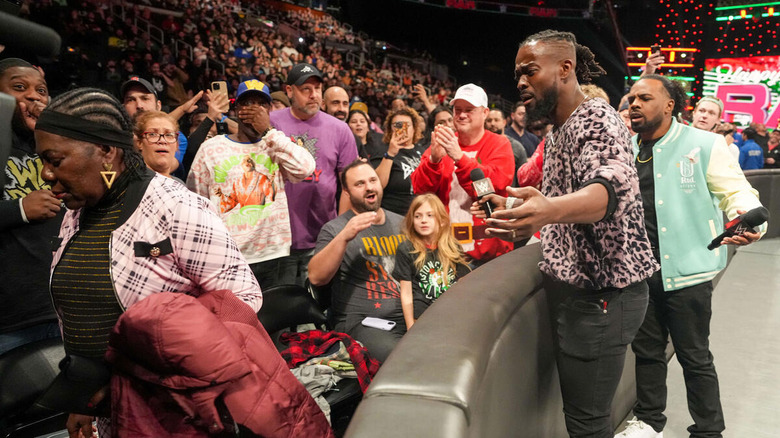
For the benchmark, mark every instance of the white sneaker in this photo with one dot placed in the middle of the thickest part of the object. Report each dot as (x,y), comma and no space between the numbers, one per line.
(639,429)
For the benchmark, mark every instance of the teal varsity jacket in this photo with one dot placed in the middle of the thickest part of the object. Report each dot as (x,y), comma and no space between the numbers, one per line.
(695,178)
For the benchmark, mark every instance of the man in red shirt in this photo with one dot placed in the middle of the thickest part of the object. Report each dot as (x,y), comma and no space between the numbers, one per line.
(446,168)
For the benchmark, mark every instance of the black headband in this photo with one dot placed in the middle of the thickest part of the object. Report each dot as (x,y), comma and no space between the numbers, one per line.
(78,128)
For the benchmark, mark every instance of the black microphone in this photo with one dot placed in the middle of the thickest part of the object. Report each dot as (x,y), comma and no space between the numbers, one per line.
(741,224)
(483,186)
(23,36)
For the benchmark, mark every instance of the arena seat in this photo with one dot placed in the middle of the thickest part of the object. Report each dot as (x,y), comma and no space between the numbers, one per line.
(25,373)
(287,306)
(478,363)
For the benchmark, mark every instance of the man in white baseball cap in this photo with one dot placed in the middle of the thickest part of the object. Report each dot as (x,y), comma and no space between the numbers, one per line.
(446,169)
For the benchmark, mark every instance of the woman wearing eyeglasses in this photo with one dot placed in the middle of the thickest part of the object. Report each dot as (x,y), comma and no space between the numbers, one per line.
(156,136)
(400,154)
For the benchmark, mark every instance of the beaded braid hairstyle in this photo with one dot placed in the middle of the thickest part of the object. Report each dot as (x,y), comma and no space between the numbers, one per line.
(98,106)
(586,68)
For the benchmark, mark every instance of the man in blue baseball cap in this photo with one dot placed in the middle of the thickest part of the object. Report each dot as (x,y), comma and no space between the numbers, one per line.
(244,176)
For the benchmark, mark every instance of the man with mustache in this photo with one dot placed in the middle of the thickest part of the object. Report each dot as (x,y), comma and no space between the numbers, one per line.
(30,215)
(596,252)
(335,101)
(356,251)
(684,172)
(315,200)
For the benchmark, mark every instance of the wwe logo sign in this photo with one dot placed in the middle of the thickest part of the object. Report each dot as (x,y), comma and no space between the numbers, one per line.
(743,228)
(483,187)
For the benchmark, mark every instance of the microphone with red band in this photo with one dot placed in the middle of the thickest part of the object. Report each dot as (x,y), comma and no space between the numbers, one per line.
(742,224)
(483,187)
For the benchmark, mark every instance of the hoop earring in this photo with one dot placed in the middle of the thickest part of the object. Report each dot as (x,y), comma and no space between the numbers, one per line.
(108,175)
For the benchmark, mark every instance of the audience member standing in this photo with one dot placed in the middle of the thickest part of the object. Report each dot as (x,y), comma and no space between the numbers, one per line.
(244,175)
(312,202)
(762,137)
(446,166)
(396,157)
(496,122)
(30,215)
(707,113)
(772,157)
(517,130)
(335,101)
(750,154)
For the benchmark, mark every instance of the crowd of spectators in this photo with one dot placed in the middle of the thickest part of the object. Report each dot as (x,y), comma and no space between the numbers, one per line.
(222,40)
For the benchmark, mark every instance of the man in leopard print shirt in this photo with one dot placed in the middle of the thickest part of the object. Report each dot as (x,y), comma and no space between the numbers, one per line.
(596,252)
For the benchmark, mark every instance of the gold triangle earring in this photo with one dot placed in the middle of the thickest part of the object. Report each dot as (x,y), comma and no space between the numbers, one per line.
(108,175)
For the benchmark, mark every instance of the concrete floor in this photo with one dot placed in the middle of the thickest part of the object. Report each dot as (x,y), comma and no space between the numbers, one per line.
(745,341)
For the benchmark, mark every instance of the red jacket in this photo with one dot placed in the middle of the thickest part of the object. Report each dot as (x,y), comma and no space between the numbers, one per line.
(530,173)
(494,157)
(175,356)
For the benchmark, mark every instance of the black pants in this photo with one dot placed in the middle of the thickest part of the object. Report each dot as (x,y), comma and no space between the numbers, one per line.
(594,328)
(685,315)
(292,269)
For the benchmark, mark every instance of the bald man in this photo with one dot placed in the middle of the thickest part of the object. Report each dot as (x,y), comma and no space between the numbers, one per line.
(335,102)
(596,252)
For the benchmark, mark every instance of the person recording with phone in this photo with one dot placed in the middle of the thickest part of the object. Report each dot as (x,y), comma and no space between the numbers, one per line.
(654,60)
(396,158)
(688,179)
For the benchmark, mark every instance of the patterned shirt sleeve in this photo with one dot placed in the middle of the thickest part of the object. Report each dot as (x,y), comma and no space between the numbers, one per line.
(606,154)
(208,254)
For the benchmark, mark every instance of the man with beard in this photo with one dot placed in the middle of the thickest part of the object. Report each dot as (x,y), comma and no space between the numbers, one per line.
(356,251)
(30,215)
(517,130)
(684,173)
(312,202)
(244,174)
(495,123)
(446,166)
(335,101)
(596,252)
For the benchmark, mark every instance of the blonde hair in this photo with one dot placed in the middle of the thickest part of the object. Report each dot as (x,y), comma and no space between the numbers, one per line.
(592,91)
(147,116)
(450,253)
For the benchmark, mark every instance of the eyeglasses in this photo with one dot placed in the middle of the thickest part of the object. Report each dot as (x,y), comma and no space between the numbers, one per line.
(153,137)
